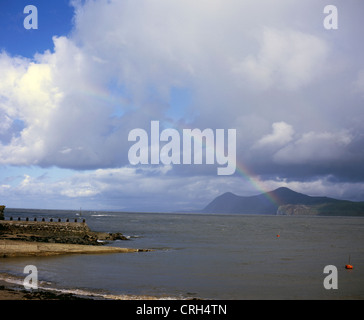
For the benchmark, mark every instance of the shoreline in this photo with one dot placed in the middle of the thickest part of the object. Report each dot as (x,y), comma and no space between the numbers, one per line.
(9,291)
(15,292)
(15,248)
(13,289)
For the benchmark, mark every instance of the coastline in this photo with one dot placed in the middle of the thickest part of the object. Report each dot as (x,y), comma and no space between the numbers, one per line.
(54,238)
(13,290)
(14,248)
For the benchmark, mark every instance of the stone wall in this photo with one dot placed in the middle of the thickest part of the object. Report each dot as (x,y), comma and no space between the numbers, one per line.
(55,231)
(38,227)
(44,231)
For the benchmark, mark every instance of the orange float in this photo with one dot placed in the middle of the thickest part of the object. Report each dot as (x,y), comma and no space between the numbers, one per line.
(348,266)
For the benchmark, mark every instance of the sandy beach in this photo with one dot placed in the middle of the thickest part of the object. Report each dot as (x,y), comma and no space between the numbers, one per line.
(13,248)
(9,248)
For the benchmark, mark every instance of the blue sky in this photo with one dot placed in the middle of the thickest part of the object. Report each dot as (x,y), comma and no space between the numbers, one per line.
(72,90)
(54,19)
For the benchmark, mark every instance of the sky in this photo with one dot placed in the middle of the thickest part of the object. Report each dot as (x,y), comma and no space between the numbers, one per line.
(280,73)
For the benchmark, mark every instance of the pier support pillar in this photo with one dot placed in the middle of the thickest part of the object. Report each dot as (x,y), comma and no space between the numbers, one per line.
(2,208)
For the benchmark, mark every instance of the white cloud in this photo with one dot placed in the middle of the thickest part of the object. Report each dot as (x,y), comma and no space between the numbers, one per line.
(323,186)
(127,57)
(118,189)
(359,82)
(287,59)
(315,147)
(122,188)
(281,135)
(245,66)
(5,123)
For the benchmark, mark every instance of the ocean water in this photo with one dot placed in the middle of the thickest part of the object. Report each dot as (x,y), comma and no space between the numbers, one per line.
(204,256)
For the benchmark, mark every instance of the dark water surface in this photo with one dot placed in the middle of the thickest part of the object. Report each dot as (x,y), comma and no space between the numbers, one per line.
(211,257)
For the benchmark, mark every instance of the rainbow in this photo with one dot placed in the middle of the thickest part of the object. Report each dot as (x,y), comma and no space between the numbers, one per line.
(106,96)
(241,168)
(255,182)
(102,94)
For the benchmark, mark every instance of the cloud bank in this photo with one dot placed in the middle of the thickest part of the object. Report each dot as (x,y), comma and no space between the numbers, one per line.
(292,89)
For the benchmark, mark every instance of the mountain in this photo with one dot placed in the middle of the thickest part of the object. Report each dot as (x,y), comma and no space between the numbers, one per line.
(283,201)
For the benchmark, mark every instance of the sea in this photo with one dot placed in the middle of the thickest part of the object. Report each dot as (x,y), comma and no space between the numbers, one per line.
(207,256)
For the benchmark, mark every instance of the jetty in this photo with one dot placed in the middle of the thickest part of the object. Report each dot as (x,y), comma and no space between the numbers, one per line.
(54,231)
(52,236)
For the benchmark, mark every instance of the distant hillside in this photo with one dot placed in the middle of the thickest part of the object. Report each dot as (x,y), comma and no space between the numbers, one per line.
(341,208)
(283,201)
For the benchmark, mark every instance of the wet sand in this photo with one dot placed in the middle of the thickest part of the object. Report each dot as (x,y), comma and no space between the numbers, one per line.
(13,292)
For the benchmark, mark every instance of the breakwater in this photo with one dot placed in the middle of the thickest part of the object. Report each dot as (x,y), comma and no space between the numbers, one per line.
(71,231)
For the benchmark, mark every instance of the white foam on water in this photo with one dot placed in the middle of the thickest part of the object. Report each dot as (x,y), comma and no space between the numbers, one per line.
(44,285)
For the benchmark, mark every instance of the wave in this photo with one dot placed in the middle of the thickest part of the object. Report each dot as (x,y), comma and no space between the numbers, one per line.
(17,282)
(103,215)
